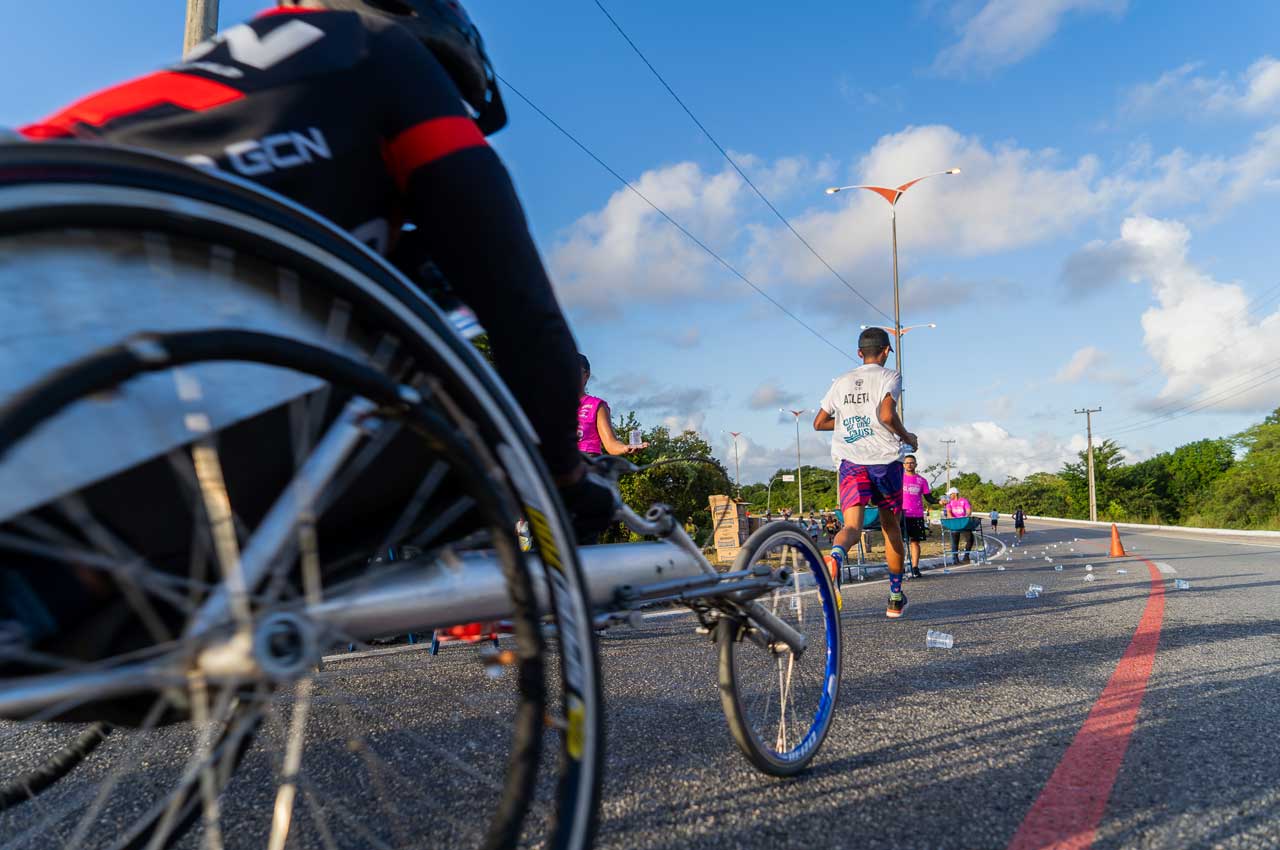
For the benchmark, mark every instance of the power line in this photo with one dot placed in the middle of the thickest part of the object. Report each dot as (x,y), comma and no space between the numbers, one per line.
(660,211)
(730,160)
(1172,408)
(1205,402)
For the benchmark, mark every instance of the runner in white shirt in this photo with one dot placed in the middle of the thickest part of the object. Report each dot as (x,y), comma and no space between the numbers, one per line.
(867,436)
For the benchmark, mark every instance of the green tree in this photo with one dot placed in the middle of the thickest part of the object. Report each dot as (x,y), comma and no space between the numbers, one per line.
(684,475)
(1194,467)
(1107,457)
(1247,495)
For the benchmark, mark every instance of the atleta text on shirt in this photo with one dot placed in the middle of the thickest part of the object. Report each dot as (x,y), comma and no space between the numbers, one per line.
(854,403)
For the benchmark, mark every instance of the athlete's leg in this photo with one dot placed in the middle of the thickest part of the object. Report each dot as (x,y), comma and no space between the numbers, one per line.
(853,489)
(848,535)
(891,525)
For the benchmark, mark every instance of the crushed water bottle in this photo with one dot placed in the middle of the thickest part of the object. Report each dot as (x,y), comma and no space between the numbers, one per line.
(999,568)
(1122,572)
(1088,568)
(1181,584)
(1035,587)
(1089,577)
(1057,568)
(938,640)
(1031,594)
(635,437)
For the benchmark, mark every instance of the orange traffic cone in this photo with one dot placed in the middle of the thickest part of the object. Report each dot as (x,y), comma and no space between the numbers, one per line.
(1117,548)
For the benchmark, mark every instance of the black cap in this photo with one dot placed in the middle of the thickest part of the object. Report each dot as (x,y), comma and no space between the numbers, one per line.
(873,340)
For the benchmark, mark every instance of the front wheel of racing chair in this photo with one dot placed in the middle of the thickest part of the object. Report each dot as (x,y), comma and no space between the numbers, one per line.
(214,408)
(779,703)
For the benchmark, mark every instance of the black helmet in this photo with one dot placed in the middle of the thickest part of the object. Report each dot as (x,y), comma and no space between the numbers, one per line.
(443,26)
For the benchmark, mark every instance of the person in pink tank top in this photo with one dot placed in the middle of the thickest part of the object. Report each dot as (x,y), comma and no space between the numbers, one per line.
(595,430)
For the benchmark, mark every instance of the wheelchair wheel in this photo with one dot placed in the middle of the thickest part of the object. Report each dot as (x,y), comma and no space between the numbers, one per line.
(780,705)
(204,344)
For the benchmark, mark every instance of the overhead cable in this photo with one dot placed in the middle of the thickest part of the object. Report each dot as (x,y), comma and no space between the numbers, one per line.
(736,168)
(660,211)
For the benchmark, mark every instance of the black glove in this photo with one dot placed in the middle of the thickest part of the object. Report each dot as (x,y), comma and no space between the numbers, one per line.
(591,504)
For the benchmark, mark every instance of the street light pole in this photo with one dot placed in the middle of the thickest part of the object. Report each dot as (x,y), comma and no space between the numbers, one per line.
(202,22)
(768,491)
(799,468)
(737,477)
(892,195)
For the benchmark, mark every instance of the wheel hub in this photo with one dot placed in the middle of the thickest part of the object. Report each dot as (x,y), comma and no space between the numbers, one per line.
(285,646)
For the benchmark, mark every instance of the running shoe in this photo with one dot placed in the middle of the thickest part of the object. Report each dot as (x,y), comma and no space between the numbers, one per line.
(897,604)
(915,573)
(833,568)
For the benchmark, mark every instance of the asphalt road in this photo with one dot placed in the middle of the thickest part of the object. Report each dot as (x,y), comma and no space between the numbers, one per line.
(978,746)
(951,748)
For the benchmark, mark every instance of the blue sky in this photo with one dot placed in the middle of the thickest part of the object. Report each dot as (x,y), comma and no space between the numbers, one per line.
(1108,242)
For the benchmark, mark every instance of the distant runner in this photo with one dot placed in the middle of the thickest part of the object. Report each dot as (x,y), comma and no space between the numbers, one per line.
(1019,523)
(995,519)
(860,409)
(914,490)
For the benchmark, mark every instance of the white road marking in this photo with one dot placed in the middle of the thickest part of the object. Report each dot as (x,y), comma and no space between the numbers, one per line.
(1165,568)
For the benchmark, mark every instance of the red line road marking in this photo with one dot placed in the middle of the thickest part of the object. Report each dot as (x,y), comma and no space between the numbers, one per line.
(1066,814)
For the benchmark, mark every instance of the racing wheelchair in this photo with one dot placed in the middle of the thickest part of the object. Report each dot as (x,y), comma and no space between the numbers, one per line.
(214,406)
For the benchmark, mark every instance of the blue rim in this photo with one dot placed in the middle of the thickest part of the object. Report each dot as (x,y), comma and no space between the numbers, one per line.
(827,702)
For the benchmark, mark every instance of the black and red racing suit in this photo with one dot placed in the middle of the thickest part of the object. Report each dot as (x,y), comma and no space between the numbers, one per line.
(351,116)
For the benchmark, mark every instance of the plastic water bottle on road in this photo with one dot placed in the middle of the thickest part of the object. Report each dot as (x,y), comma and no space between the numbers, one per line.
(1181,584)
(1057,568)
(938,640)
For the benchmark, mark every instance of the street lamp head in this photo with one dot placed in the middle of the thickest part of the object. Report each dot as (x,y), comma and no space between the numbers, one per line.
(832,190)
(953,171)
(932,325)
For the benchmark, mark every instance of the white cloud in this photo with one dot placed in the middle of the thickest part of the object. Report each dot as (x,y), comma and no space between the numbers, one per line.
(1081,363)
(786,174)
(1210,184)
(628,251)
(994,453)
(1004,32)
(769,395)
(1006,197)
(758,461)
(679,408)
(1182,90)
(1202,334)
(690,337)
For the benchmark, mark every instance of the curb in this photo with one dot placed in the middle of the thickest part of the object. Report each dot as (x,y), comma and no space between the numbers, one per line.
(1140,526)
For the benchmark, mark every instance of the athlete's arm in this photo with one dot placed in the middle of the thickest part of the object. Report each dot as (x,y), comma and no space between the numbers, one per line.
(824,422)
(888,415)
(609,437)
(471,223)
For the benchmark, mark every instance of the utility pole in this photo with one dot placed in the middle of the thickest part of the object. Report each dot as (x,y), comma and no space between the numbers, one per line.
(799,468)
(202,22)
(1093,491)
(948,443)
(737,478)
